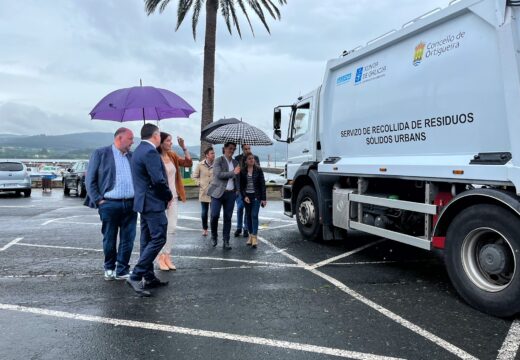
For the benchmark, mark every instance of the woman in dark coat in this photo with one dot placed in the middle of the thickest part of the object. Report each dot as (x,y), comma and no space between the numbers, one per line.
(252,188)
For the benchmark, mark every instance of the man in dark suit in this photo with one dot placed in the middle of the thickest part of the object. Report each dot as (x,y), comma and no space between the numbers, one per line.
(152,196)
(241,223)
(223,190)
(110,190)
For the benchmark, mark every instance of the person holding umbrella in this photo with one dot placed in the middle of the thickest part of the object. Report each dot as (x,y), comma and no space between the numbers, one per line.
(223,191)
(252,188)
(171,162)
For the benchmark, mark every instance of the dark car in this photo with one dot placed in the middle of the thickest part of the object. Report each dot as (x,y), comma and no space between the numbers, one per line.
(74,179)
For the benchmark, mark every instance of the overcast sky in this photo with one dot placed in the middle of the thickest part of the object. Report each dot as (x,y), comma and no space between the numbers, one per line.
(59,58)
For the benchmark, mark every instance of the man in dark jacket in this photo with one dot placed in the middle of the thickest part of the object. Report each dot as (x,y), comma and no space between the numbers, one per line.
(152,197)
(110,190)
(246,150)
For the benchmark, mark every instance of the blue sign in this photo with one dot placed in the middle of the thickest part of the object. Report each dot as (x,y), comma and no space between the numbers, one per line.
(359,74)
(343,79)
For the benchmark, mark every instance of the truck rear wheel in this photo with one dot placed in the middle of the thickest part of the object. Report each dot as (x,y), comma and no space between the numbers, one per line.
(308,213)
(482,258)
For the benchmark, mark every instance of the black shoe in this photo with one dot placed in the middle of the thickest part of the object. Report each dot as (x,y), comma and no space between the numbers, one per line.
(246,233)
(138,287)
(214,241)
(226,245)
(154,283)
(238,232)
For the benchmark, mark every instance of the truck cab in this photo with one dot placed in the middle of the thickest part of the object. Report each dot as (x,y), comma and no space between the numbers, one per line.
(301,137)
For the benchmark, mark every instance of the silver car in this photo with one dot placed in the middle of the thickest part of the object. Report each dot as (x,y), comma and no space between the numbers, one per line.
(14,177)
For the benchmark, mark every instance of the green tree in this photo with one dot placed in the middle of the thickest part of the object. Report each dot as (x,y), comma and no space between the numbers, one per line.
(228,9)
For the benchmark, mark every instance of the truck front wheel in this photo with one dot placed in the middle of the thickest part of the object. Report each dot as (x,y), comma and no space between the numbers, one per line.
(482,258)
(308,213)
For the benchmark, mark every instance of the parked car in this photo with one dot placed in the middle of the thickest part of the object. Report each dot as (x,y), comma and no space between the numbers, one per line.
(14,177)
(49,171)
(275,179)
(74,179)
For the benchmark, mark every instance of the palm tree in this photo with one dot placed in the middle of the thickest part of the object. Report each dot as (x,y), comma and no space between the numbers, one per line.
(229,12)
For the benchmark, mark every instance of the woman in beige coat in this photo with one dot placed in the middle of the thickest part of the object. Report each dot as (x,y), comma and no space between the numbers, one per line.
(203,175)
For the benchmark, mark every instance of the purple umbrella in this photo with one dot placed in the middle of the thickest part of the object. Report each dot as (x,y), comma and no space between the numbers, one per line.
(141,103)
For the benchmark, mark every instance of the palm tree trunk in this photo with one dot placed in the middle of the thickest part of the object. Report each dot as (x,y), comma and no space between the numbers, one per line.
(208,81)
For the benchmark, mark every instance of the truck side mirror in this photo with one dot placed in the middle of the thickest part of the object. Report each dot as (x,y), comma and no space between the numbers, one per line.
(277,119)
(277,134)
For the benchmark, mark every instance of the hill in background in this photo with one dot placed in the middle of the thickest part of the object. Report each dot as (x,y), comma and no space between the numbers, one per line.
(81,145)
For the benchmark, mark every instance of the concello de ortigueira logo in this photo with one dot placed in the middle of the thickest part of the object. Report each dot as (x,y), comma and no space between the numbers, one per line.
(418,55)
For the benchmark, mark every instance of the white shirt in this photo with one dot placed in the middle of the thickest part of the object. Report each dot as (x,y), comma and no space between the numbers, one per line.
(230,183)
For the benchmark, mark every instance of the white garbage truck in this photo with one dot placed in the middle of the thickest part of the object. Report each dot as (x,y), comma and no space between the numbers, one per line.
(415,138)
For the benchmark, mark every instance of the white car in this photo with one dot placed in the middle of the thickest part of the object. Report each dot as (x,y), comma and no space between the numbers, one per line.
(14,177)
(275,179)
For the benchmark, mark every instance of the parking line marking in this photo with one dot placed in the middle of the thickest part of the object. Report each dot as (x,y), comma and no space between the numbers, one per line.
(63,218)
(254,262)
(10,243)
(389,314)
(59,247)
(511,344)
(276,227)
(197,332)
(16,206)
(341,256)
(239,261)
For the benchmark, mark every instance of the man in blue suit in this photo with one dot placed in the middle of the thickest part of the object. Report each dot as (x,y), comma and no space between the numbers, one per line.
(152,197)
(110,189)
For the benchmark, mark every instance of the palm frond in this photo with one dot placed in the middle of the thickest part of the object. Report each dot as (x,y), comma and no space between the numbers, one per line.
(235,20)
(224,9)
(182,11)
(244,11)
(151,5)
(275,9)
(163,5)
(267,6)
(228,11)
(259,12)
(195,18)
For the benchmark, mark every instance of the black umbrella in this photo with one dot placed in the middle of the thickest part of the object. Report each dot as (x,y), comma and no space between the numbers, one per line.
(215,125)
(241,133)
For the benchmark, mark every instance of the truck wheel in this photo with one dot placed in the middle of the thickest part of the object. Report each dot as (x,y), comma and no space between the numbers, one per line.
(66,190)
(308,213)
(482,258)
(27,193)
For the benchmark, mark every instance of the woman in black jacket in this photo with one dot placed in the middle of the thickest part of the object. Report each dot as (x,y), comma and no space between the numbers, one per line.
(252,188)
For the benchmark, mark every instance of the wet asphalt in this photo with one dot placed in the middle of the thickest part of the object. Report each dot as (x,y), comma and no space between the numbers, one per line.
(384,300)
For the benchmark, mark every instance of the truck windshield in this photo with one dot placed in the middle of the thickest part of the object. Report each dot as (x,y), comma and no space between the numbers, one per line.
(300,121)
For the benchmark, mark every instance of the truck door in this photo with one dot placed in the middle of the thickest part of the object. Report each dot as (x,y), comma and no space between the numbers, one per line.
(300,144)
